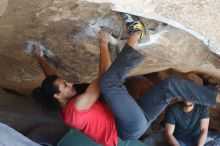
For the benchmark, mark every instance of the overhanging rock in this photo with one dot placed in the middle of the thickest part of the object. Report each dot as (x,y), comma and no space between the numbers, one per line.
(200,18)
(67,28)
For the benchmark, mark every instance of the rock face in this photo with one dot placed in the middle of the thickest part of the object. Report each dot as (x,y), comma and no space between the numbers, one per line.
(67,29)
(4,4)
(183,39)
(22,114)
(198,17)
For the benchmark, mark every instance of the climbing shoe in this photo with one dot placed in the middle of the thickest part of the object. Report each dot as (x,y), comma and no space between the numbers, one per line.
(134,24)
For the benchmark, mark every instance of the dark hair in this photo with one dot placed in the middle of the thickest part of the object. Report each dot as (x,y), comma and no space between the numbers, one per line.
(44,95)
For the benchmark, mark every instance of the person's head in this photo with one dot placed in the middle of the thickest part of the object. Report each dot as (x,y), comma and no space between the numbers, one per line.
(53,91)
(188,103)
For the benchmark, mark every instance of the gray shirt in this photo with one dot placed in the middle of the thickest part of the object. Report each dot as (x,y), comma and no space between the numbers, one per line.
(187,125)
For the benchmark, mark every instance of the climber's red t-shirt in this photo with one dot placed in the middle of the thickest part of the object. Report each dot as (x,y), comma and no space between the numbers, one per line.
(97,122)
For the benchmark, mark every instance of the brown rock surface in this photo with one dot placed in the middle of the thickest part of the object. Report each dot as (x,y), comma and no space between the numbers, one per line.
(22,114)
(198,17)
(3,6)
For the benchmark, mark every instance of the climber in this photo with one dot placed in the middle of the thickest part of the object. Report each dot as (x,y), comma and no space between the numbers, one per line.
(121,115)
(57,94)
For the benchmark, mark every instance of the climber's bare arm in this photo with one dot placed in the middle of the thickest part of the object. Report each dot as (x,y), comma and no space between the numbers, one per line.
(47,69)
(86,100)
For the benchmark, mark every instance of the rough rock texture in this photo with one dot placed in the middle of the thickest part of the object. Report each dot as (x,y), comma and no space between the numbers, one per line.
(3,4)
(22,114)
(198,17)
(67,28)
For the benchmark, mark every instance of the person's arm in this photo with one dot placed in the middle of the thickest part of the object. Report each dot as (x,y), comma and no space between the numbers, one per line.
(47,69)
(87,99)
(204,125)
(169,129)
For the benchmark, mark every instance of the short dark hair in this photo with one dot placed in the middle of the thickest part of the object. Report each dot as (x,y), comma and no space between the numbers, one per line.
(44,95)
